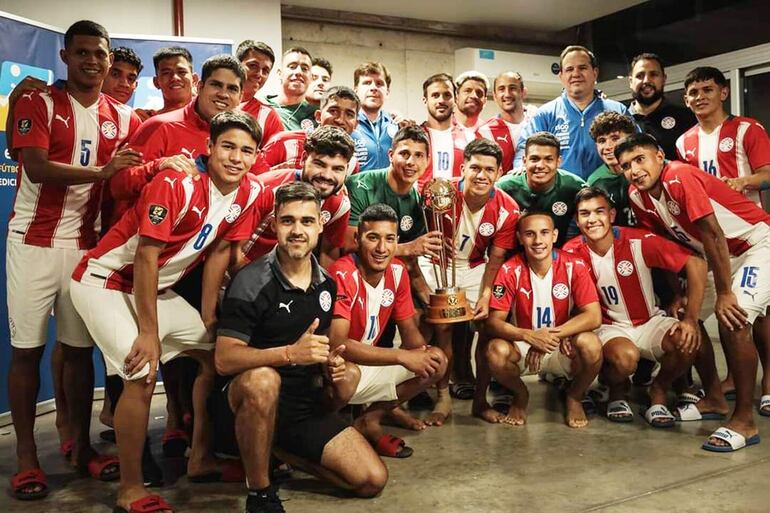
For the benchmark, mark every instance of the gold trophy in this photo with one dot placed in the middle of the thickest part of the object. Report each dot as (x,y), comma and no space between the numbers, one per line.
(448,304)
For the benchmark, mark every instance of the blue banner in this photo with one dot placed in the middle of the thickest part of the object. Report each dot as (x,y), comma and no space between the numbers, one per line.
(29,48)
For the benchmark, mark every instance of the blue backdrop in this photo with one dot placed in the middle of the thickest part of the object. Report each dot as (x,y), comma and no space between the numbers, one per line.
(29,48)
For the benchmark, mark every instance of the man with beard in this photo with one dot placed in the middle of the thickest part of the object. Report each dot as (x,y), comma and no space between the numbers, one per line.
(273,347)
(327,152)
(447,140)
(376,128)
(509,93)
(654,115)
(339,107)
(257,59)
(295,112)
(569,116)
(320,77)
(472,88)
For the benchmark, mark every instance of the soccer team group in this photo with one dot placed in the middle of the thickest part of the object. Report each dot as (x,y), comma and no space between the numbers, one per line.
(592,241)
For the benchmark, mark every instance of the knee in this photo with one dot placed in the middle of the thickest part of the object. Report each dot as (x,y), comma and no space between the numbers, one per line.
(589,347)
(443,361)
(499,352)
(373,481)
(259,388)
(623,359)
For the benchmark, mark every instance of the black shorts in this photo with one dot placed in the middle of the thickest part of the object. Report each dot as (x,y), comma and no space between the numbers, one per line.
(304,435)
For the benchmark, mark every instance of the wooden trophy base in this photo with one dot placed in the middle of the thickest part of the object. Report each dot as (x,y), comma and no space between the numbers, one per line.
(448,306)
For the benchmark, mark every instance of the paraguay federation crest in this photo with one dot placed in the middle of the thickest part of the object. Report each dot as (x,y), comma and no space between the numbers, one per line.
(625,268)
(325,300)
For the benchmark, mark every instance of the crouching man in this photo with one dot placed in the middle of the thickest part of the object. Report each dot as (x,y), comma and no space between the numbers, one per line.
(271,339)
(539,289)
(372,288)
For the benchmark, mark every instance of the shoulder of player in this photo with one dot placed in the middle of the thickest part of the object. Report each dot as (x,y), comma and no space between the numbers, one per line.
(569,179)
(276,177)
(250,281)
(748,121)
(608,104)
(574,245)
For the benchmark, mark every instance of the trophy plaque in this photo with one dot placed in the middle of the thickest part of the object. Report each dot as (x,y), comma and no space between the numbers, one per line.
(448,303)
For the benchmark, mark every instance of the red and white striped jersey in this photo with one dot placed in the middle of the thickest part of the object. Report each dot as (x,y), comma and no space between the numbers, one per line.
(61,216)
(689,195)
(542,302)
(370,308)
(335,212)
(493,225)
(446,153)
(267,118)
(286,151)
(187,215)
(734,149)
(623,274)
(505,134)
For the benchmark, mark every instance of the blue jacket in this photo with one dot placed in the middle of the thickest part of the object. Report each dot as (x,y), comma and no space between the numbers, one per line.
(373,140)
(564,120)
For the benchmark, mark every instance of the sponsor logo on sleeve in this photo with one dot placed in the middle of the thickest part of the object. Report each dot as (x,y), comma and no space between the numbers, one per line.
(498,291)
(157,214)
(24,126)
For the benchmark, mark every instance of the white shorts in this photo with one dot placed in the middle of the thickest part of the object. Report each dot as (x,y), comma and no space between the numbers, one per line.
(379,383)
(38,283)
(648,337)
(468,279)
(555,362)
(750,283)
(111,318)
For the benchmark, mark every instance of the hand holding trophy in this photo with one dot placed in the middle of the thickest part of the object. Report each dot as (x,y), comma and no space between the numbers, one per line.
(448,303)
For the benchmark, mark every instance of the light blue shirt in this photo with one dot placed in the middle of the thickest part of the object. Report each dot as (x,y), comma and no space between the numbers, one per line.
(373,140)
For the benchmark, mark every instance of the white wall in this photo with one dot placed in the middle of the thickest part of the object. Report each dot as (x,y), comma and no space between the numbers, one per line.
(410,57)
(231,19)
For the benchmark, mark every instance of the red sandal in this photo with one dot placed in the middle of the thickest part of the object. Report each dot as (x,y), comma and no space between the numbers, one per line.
(393,447)
(65,448)
(174,443)
(147,504)
(98,466)
(23,480)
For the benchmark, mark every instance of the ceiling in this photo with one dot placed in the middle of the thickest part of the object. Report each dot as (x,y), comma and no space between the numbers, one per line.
(547,15)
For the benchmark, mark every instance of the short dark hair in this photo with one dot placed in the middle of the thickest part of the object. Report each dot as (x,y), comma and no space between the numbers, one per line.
(704,73)
(330,141)
(169,52)
(296,191)
(485,147)
(611,121)
(127,55)
(533,213)
(542,139)
(298,49)
(647,56)
(340,93)
(222,61)
(578,48)
(226,120)
(515,74)
(589,193)
(85,28)
(438,77)
(411,133)
(472,75)
(634,141)
(377,212)
(371,68)
(322,63)
(249,45)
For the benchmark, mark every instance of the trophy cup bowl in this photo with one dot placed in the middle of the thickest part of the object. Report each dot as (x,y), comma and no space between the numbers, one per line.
(448,303)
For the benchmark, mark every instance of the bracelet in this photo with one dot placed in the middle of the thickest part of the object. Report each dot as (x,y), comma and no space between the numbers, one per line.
(288,357)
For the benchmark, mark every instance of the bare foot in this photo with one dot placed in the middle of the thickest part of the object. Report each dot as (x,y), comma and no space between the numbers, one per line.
(576,415)
(517,415)
(198,466)
(486,413)
(399,417)
(441,410)
(713,405)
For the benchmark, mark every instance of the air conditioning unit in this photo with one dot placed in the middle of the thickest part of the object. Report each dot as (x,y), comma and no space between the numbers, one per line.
(539,72)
